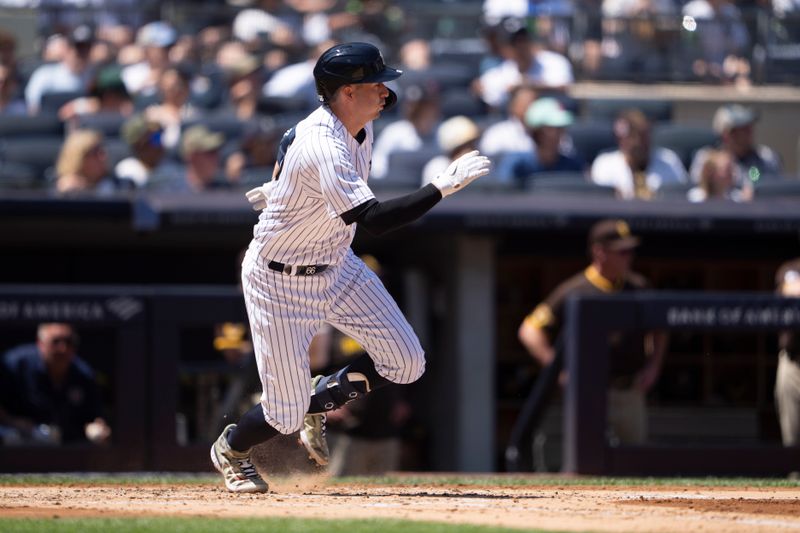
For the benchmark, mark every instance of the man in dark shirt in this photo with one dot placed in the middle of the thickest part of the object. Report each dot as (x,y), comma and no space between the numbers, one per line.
(635,358)
(51,391)
(787,379)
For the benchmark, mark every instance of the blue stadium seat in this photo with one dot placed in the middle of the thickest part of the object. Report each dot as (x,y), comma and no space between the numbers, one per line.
(609,108)
(52,102)
(591,138)
(38,153)
(18,176)
(405,169)
(109,124)
(31,126)
(461,101)
(570,183)
(772,189)
(683,139)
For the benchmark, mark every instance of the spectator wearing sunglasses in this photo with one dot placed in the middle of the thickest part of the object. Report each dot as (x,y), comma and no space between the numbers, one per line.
(147,152)
(49,394)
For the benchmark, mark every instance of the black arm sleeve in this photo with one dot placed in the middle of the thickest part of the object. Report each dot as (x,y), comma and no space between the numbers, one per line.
(379,217)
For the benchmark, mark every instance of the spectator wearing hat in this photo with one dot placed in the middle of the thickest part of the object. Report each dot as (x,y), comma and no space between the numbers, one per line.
(155,39)
(147,162)
(735,125)
(421,111)
(107,94)
(510,135)
(256,158)
(245,80)
(456,136)
(635,358)
(787,379)
(200,149)
(526,62)
(636,169)
(70,74)
(546,120)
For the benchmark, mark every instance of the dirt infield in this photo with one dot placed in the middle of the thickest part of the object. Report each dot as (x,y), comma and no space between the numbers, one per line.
(657,509)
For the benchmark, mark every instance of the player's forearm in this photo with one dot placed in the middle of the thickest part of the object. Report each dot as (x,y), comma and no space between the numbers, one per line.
(379,217)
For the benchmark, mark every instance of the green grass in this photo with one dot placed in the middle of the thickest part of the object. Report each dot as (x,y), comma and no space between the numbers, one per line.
(239,525)
(474,480)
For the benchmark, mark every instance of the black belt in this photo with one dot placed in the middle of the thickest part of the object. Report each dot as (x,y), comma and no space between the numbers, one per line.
(296,270)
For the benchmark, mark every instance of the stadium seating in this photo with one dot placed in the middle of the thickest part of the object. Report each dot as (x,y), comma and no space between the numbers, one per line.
(777,188)
(17,176)
(683,139)
(591,138)
(52,102)
(30,126)
(109,124)
(405,169)
(557,183)
(608,108)
(38,153)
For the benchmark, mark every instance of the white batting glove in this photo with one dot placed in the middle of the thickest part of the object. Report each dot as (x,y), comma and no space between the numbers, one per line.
(462,172)
(259,196)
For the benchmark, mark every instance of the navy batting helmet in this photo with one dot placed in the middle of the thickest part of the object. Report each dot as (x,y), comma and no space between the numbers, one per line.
(351,63)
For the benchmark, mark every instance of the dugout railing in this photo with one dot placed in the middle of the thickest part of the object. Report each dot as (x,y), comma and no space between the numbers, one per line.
(589,321)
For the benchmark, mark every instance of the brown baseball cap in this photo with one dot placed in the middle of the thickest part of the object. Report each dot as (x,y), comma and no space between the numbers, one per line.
(200,139)
(614,234)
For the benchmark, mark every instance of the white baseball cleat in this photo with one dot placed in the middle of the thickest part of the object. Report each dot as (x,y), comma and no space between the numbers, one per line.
(236,467)
(313,434)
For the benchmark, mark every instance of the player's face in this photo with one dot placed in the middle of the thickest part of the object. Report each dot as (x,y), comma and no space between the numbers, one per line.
(57,345)
(369,98)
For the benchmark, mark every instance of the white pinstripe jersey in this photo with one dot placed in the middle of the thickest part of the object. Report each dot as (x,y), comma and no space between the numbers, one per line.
(324,175)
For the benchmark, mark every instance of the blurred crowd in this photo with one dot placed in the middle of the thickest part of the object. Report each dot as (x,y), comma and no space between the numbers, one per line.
(118,99)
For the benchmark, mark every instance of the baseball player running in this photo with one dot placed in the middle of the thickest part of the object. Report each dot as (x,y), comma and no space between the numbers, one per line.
(299,271)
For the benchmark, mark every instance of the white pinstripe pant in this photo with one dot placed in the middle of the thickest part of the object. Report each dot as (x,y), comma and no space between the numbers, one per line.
(286,312)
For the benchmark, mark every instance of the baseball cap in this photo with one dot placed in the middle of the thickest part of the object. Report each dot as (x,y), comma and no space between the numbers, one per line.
(614,234)
(157,34)
(82,34)
(136,127)
(547,111)
(456,131)
(200,139)
(732,116)
(241,67)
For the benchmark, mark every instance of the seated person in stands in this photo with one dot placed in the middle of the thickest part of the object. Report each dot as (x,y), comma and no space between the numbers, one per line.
(174,88)
(147,153)
(510,135)
(82,166)
(545,119)
(526,61)
(245,79)
(107,94)
(10,103)
(717,180)
(456,136)
(636,170)
(255,160)
(421,113)
(71,74)
(200,148)
(49,393)
(735,125)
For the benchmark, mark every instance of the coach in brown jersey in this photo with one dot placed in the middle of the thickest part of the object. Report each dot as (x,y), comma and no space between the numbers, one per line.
(634,357)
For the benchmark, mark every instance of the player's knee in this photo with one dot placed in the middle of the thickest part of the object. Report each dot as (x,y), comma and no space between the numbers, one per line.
(414,365)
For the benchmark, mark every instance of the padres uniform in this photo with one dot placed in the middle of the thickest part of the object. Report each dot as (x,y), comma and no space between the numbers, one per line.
(324,175)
